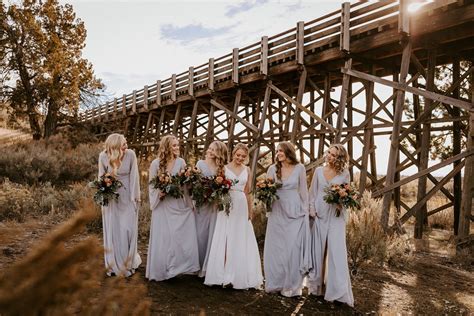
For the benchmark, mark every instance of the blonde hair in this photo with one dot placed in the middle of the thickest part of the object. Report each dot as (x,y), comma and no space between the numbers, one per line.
(165,152)
(221,156)
(290,153)
(342,159)
(243,147)
(112,146)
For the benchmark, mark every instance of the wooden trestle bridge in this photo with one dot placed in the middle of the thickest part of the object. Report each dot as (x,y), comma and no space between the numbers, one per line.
(302,85)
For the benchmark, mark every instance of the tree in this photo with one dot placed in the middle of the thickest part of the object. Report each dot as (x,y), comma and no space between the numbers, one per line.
(48,78)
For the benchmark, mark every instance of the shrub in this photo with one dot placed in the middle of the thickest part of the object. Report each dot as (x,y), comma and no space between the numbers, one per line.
(16,202)
(54,160)
(366,239)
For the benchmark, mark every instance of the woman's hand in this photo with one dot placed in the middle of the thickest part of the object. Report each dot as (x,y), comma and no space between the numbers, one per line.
(312,214)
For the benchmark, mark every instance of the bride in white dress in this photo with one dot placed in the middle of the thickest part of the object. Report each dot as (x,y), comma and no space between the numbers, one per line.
(234,258)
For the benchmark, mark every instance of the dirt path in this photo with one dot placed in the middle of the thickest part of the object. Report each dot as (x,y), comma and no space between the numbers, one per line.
(430,284)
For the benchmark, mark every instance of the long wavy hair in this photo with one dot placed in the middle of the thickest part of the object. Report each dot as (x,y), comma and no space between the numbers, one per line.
(239,146)
(112,148)
(290,153)
(165,152)
(220,156)
(342,159)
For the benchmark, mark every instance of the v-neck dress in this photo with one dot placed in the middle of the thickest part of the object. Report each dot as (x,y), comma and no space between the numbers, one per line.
(331,229)
(287,251)
(234,258)
(172,249)
(205,222)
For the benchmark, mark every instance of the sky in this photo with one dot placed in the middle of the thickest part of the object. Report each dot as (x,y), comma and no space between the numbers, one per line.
(135,43)
(132,44)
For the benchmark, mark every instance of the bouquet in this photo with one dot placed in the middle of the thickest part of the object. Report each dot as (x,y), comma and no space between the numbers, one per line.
(344,195)
(106,186)
(189,175)
(220,186)
(201,191)
(168,185)
(266,192)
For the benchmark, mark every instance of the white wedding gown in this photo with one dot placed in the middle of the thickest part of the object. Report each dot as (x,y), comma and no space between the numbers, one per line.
(234,258)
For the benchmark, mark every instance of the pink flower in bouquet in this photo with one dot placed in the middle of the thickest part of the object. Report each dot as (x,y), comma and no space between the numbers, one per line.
(219,180)
(108,182)
(342,193)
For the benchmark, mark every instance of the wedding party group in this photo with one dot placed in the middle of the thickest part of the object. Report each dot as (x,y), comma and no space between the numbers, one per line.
(201,218)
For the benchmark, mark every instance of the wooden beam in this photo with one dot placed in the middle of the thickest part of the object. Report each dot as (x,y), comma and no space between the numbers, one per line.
(344,39)
(406,88)
(124,105)
(145,97)
(210,83)
(392,158)
(403,18)
(191,81)
(299,99)
(457,180)
(115,107)
(177,119)
(301,107)
(235,65)
(173,88)
(342,103)
(300,43)
(158,92)
(134,102)
(264,55)
(191,128)
(224,108)
(238,96)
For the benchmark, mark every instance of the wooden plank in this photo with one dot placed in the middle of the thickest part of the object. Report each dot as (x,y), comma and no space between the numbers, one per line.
(115,107)
(191,81)
(457,180)
(406,88)
(210,84)
(395,132)
(368,131)
(145,97)
(403,18)
(301,107)
(160,124)
(173,88)
(192,127)
(235,65)
(344,41)
(224,108)
(210,128)
(264,55)
(342,103)
(468,184)
(158,92)
(300,43)
(425,146)
(177,119)
(124,105)
(134,102)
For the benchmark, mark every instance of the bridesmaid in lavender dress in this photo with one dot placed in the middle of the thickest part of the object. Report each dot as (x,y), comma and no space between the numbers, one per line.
(216,158)
(173,248)
(120,217)
(329,231)
(287,252)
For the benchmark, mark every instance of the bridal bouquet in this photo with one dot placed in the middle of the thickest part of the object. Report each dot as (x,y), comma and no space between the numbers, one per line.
(169,185)
(220,186)
(344,195)
(266,192)
(189,175)
(106,186)
(201,191)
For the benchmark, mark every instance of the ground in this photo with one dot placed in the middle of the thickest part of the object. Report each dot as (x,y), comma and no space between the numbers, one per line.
(429,284)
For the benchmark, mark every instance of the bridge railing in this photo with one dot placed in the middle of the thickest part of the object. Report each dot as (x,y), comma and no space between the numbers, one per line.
(293,44)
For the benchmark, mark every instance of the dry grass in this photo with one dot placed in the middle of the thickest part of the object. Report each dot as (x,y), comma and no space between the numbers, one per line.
(367,242)
(55,279)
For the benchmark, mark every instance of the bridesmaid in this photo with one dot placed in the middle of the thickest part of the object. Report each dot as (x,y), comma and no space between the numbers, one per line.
(287,252)
(120,217)
(234,258)
(329,231)
(216,158)
(173,248)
